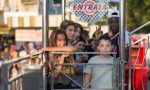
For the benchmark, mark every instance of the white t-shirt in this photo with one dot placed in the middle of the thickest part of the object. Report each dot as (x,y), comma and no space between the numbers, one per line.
(101,74)
(126,38)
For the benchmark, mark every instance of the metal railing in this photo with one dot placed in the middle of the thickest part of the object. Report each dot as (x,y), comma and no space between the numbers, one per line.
(17,82)
(111,67)
(138,43)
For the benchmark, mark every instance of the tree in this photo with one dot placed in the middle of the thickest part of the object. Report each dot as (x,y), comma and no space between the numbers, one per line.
(138,13)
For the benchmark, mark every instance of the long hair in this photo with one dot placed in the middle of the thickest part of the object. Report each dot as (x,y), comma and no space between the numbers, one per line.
(53,37)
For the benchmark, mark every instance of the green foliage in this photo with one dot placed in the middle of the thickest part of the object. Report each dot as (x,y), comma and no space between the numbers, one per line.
(138,13)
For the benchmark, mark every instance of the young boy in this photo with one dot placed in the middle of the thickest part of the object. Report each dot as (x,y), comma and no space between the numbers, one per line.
(100,76)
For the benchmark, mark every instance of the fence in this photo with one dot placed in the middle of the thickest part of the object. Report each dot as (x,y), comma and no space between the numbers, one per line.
(15,79)
(24,81)
(79,84)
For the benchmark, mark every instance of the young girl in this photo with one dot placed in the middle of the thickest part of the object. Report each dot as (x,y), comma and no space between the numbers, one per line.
(58,42)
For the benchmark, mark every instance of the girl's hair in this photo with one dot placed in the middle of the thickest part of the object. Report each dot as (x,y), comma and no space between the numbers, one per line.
(77,25)
(53,37)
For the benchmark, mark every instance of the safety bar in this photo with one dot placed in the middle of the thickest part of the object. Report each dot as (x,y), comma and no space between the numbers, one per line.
(22,58)
(83,53)
(6,81)
(83,64)
(139,28)
(141,39)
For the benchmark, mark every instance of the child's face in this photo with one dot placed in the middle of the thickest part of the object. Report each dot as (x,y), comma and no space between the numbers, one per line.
(77,33)
(80,46)
(93,43)
(104,46)
(61,40)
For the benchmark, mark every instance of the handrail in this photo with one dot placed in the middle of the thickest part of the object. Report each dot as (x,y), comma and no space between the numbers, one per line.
(22,58)
(137,29)
(10,80)
(4,66)
(21,74)
(83,53)
(142,38)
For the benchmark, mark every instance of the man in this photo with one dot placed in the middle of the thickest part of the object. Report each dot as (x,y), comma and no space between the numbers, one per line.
(114,34)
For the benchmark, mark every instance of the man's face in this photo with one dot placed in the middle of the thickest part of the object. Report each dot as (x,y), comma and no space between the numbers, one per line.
(113,24)
(70,32)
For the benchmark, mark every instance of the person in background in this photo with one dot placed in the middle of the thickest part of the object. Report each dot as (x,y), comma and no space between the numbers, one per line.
(79,58)
(88,47)
(31,48)
(78,33)
(93,44)
(114,34)
(96,35)
(92,73)
(13,51)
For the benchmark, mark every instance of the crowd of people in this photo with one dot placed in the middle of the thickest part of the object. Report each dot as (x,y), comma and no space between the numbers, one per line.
(11,52)
(72,37)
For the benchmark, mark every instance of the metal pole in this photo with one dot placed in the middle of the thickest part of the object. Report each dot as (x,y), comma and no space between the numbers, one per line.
(45,23)
(129,77)
(122,43)
(63,9)
(4,76)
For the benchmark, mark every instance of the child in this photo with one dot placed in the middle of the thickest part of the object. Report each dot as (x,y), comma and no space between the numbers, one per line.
(99,76)
(79,58)
(58,42)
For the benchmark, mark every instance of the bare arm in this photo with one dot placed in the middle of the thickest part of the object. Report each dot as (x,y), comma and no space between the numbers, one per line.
(87,80)
(61,49)
(58,68)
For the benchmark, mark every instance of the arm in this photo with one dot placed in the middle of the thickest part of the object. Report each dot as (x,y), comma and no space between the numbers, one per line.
(61,49)
(83,58)
(58,68)
(87,80)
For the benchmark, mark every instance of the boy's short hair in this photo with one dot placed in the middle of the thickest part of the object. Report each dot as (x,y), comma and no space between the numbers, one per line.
(104,37)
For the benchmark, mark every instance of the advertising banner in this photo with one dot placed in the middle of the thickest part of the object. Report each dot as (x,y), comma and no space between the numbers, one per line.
(90,11)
